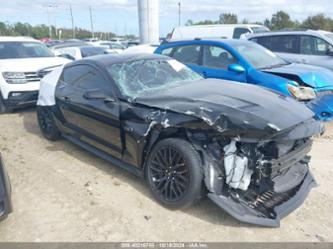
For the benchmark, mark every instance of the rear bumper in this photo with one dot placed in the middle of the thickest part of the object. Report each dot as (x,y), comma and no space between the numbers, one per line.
(21,99)
(5,192)
(247,214)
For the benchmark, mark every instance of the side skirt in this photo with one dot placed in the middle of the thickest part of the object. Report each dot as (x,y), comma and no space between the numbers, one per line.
(131,169)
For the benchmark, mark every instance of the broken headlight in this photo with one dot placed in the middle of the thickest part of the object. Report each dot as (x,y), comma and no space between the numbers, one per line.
(301,93)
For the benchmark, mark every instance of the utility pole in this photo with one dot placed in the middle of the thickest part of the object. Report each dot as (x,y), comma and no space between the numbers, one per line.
(50,14)
(49,21)
(179,11)
(72,18)
(91,22)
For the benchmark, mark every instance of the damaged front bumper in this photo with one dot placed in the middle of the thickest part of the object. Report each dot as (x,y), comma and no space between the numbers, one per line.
(289,201)
(267,190)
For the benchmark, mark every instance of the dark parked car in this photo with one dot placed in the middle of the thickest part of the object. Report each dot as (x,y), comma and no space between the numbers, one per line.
(5,192)
(187,136)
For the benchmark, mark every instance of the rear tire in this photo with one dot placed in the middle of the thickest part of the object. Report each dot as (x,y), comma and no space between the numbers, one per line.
(47,124)
(174,173)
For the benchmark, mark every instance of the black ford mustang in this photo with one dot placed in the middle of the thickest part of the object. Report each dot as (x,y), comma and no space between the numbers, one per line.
(244,146)
(5,192)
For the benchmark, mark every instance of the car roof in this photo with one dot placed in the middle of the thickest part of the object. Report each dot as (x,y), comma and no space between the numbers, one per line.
(109,59)
(221,25)
(69,44)
(218,40)
(289,32)
(17,39)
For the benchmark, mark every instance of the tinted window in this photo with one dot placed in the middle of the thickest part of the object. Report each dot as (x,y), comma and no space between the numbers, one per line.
(239,31)
(283,43)
(311,45)
(14,50)
(217,57)
(187,54)
(85,77)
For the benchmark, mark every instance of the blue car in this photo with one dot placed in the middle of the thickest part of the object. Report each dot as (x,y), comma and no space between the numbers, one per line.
(245,61)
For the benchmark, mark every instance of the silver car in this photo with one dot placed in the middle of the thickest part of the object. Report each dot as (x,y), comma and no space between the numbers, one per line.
(308,47)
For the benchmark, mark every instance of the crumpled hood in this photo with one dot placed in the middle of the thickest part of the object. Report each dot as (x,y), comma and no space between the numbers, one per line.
(312,76)
(30,64)
(229,105)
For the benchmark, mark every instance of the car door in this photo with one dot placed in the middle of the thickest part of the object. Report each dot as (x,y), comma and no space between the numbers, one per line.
(89,108)
(190,55)
(313,50)
(216,61)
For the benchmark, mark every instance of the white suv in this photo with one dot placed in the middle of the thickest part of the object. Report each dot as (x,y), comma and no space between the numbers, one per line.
(20,60)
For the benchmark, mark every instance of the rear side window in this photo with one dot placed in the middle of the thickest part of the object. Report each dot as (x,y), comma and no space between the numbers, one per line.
(283,43)
(217,57)
(85,77)
(311,45)
(239,31)
(188,54)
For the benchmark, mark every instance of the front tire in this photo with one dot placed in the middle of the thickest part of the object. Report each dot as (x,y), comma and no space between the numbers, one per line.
(47,124)
(174,173)
(3,107)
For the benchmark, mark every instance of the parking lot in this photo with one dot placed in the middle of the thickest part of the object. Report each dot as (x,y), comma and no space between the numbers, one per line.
(63,193)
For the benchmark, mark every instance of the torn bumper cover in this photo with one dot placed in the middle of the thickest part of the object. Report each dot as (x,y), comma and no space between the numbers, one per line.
(287,203)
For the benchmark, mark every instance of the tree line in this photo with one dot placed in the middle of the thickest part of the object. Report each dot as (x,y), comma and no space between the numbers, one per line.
(43,31)
(279,21)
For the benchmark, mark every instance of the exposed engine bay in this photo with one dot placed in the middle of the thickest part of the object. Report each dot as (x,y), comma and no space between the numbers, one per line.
(256,178)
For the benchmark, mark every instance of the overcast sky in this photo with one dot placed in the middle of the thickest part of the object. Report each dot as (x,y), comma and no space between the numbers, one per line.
(121,15)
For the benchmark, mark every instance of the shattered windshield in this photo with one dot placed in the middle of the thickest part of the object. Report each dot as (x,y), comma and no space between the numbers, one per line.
(150,76)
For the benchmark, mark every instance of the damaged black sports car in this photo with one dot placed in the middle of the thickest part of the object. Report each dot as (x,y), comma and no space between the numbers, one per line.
(187,136)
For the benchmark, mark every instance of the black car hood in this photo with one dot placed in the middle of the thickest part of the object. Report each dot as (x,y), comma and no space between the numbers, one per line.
(227,105)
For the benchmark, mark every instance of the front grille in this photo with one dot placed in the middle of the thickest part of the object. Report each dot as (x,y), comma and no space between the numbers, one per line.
(283,163)
(266,202)
(32,76)
(323,93)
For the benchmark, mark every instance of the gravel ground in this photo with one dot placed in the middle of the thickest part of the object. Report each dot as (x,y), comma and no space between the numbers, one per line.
(63,193)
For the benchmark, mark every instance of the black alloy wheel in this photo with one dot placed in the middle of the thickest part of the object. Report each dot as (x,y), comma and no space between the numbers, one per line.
(47,124)
(174,173)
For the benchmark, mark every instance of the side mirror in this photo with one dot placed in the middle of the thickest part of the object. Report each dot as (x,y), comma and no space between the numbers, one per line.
(329,51)
(236,68)
(98,95)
